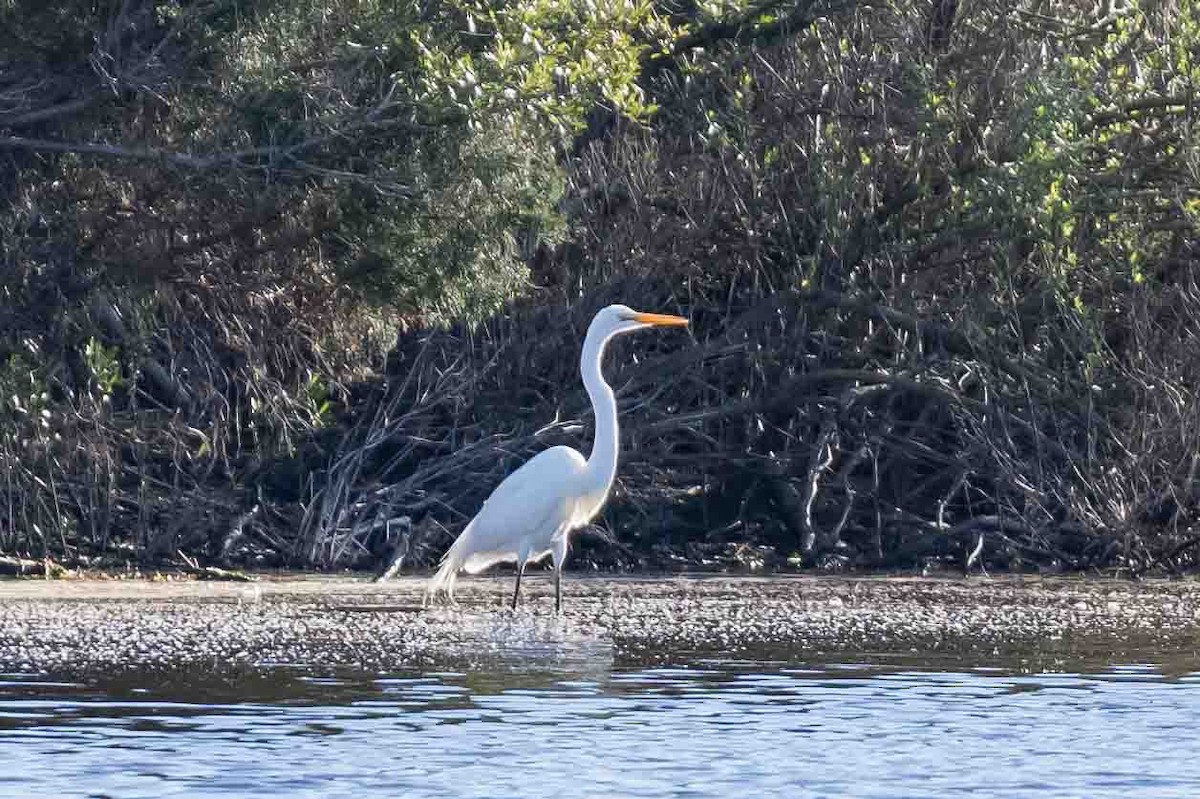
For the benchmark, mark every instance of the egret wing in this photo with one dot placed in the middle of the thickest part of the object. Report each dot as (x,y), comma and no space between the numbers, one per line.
(526,509)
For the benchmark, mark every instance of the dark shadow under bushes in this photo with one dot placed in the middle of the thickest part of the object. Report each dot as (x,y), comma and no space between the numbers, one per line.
(795,428)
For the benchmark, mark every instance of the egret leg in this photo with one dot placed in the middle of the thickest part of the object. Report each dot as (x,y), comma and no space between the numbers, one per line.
(559,554)
(517,590)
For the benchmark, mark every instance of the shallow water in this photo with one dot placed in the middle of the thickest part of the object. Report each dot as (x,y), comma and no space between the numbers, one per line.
(587,724)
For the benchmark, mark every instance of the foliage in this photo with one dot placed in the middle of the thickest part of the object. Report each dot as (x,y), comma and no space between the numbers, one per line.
(1013,181)
(209,209)
(940,258)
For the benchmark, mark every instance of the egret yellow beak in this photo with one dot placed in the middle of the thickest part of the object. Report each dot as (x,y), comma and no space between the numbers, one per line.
(662,319)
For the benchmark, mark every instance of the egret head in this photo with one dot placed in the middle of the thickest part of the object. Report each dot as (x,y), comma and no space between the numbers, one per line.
(622,319)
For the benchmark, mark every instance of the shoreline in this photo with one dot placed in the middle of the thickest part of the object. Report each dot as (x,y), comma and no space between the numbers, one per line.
(318,624)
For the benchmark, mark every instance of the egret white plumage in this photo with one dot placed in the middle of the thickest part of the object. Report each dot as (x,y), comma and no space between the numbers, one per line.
(534,509)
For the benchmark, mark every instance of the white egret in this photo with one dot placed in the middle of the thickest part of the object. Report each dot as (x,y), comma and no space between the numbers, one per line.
(534,509)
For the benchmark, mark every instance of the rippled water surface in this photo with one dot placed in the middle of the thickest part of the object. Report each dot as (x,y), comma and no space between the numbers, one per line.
(869,726)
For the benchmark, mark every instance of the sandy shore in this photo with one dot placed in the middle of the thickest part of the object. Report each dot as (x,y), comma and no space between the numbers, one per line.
(321,623)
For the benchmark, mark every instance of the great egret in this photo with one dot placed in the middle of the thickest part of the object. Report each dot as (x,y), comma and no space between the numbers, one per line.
(532,511)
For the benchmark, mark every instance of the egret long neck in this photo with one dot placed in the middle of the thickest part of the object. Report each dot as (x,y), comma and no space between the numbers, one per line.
(602,465)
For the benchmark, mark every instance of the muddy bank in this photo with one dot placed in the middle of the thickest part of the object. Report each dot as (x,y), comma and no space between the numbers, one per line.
(321,624)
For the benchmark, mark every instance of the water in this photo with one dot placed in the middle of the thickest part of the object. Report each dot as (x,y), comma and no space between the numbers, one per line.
(862,726)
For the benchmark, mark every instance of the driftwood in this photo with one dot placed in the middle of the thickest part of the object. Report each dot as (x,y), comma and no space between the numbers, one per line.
(190,567)
(27,567)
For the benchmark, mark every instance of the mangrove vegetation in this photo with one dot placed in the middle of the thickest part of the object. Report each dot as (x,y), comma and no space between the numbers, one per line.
(289,283)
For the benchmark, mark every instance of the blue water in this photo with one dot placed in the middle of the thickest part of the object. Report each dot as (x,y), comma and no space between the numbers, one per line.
(697,729)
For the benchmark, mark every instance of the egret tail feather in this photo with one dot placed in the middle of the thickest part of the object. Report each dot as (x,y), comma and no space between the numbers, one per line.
(442,582)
